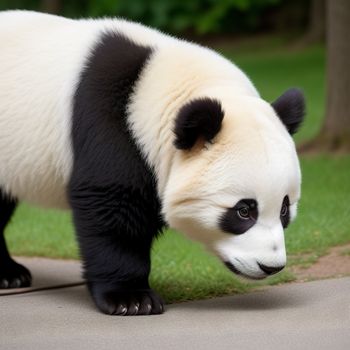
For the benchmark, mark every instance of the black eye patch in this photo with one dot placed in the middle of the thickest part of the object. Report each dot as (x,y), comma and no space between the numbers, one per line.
(285,214)
(240,218)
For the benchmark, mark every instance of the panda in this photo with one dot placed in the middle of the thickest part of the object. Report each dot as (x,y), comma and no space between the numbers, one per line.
(133,130)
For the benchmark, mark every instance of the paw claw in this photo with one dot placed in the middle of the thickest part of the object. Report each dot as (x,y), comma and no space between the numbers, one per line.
(15,283)
(13,275)
(121,310)
(133,308)
(4,284)
(127,302)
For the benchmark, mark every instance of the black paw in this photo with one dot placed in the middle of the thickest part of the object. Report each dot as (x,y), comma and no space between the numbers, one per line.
(127,302)
(13,275)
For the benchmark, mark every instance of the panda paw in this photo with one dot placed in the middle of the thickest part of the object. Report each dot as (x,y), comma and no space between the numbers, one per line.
(13,275)
(127,302)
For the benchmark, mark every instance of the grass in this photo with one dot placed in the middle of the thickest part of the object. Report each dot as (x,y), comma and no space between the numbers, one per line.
(182,270)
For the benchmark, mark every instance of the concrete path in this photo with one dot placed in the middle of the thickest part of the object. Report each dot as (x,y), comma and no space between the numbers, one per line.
(314,315)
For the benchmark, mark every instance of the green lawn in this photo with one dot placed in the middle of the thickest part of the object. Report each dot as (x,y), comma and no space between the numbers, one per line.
(181,269)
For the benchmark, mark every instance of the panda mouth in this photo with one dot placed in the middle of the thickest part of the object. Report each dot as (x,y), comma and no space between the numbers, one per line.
(232,267)
(238,272)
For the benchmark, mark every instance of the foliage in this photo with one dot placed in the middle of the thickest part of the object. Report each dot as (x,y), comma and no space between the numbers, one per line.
(200,16)
(178,16)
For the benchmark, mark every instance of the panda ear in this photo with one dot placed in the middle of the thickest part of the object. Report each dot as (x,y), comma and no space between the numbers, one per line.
(200,118)
(290,108)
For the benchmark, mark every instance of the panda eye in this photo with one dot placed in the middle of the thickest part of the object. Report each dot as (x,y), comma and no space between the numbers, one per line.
(240,218)
(284,210)
(246,209)
(243,213)
(284,213)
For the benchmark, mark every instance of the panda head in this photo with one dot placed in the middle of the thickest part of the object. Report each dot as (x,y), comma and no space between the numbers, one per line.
(235,180)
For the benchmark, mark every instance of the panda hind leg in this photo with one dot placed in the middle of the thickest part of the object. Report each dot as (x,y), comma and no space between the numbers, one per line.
(12,274)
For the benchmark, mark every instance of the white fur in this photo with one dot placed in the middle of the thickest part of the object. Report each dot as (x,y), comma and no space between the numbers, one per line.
(40,62)
(177,73)
(41,57)
(252,157)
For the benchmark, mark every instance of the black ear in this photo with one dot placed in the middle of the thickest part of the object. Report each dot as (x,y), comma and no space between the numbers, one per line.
(198,118)
(290,107)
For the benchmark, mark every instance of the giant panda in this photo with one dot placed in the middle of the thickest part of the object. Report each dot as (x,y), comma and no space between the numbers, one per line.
(132,130)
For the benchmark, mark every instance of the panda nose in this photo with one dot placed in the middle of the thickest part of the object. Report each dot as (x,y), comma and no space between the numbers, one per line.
(270,270)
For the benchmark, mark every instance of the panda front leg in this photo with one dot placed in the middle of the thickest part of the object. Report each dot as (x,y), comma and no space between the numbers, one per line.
(115,244)
(12,274)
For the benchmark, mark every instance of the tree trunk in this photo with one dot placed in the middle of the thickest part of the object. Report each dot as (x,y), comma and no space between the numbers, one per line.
(335,133)
(317,22)
(338,68)
(51,6)
(316,30)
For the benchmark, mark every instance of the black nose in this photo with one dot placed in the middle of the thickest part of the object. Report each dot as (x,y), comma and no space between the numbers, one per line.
(270,270)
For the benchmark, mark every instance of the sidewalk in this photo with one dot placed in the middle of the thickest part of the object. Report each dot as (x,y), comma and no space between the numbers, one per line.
(314,315)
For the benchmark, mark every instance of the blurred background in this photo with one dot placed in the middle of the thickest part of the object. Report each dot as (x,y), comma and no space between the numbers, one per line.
(279,44)
(197,17)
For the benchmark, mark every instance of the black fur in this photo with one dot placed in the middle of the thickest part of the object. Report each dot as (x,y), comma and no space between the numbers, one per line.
(198,118)
(290,107)
(231,221)
(112,191)
(12,275)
